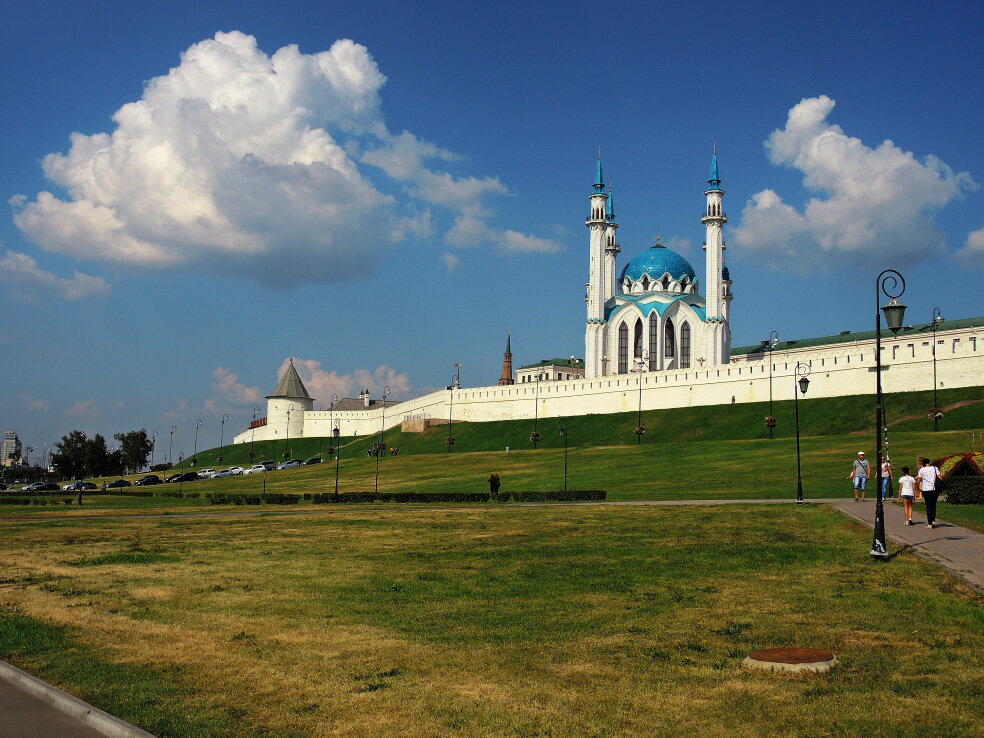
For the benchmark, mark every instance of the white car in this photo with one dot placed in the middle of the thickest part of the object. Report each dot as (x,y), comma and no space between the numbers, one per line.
(255,469)
(206,473)
(236,470)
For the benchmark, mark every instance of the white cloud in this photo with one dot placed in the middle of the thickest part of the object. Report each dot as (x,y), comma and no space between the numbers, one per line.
(973,251)
(321,384)
(452,262)
(227,383)
(873,203)
(84,409)
(680,244)
(242,163)
(470,231)
(33,403)
(29,282)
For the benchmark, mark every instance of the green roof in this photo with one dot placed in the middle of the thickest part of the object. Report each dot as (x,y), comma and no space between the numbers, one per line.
(554,362)
(850,337)
(290,385)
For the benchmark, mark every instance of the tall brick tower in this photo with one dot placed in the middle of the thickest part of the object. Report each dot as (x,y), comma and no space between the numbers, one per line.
(507,372)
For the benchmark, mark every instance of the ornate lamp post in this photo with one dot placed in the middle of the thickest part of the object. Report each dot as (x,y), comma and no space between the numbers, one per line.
(153,445)
(935,413)
(563,433)
(449,441)
(576,367)
(252,435)
(381,446)
(85,438)
(194,456)
(338,452)
(887,283)
(770,422)
(331,424)
(27,455)
(641,363)
(225,417)
(535,435)
(287,438)
(170,449)
(181,458)
(801,373)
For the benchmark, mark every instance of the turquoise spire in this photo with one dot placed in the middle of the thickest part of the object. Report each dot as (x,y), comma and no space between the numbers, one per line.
(599,183)
(715,180)
(610,205)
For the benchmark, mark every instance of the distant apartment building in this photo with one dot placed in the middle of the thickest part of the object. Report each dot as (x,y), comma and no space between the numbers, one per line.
(11,448)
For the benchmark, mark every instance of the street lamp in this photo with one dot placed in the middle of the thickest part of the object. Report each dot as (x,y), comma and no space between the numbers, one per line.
(225,417)
(252,435)
(27,455)
(287,439)
(449,441)
(887,283)
(563,433)
(194,456)
(85,438)
(331,424)
(575,362)
(338,453)
(935,413)
(641,364)
(535,436)
(381,446)
(170,449)
(181,472)
(770,422)
(153,445)
(800,375)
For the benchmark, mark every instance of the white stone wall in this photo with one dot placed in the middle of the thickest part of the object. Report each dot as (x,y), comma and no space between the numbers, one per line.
(837,370)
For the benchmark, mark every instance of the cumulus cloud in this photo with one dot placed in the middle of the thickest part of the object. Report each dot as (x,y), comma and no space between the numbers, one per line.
(973,251)
(228,385)
(243,163)
(84,409)
(451,261)
(321,384)
(33,403)
(470,231)
(29,282)
(871,203)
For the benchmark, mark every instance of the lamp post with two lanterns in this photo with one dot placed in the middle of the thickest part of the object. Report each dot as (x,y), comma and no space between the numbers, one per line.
(935,413)
(336,432)
(890,283)
(770,422)
(801,385)
(642,361)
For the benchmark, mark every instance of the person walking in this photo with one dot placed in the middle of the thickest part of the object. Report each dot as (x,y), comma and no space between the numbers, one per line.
(928,477)
(860,472)
(907,493)
(494,483)
(886,478)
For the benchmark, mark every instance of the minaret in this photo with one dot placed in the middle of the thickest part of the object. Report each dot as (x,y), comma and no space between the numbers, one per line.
(611,244)
(717,331)
(507,372)
(597,224)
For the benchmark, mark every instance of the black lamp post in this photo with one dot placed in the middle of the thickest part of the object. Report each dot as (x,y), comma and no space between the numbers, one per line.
(801,385)
(153,445)
(563,433)
(252,434)
(263,456)
(535,435)
(641,364)
(770,422)
(194,456)
(936,412)
(331,424)
(287,439)
(225,417)
(181,459)
(80,485)
(338,452)
(887,283)
(170,449)
(381,446)
(449,441)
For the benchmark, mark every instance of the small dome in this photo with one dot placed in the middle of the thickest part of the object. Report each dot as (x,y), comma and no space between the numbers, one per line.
(657,261)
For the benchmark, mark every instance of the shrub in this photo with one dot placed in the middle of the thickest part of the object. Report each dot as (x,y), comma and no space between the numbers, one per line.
(570,495)
(965,490)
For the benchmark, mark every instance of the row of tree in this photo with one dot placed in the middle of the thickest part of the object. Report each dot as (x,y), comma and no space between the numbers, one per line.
(77,456)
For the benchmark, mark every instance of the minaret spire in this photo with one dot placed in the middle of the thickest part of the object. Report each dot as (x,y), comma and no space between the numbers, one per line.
(599,183)
(507,371)
(718,283)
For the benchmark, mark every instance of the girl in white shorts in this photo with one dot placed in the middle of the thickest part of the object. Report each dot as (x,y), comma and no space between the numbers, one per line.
(907,493)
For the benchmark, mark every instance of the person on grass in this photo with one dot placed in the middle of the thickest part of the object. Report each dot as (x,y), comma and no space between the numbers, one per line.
(886,478)
(907,493)
(860,472)
(927,483)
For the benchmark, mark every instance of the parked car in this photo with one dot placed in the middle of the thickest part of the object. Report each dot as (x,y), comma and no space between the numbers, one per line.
(184,477)
(291,464)
(76,486)
(41,487)
(312,460)
(147,480)
(255,469)
(236,470)
(118,483)
(222,474)
(270,464)
(206,473)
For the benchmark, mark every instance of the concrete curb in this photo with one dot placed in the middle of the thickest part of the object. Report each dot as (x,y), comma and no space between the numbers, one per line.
(73,706)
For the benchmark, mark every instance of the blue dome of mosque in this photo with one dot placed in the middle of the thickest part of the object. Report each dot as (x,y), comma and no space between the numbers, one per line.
(657,261)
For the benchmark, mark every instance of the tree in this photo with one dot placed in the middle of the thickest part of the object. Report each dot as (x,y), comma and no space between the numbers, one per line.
(68,455)
(134,449)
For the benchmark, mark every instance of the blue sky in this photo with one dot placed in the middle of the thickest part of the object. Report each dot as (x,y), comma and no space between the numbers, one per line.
(384,190)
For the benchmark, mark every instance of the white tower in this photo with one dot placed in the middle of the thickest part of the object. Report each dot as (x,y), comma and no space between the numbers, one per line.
(611,244)
(718,296)
(598,277)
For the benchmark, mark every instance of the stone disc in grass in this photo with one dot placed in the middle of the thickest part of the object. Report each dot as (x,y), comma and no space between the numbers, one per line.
(793,660)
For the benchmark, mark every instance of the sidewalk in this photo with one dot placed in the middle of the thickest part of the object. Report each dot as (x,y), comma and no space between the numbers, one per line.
(957,549)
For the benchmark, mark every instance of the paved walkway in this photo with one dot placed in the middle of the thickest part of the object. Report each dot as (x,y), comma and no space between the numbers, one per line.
(957,549)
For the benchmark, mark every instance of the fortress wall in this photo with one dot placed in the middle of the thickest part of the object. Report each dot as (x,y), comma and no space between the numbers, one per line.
(835,370)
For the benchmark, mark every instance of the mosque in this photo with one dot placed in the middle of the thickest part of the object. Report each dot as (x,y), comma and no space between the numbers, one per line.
(651,341)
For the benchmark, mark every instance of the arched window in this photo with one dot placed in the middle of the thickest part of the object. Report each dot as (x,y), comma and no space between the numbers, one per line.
(653,341)
(623,348)
(637,342)
(669,342)
(645,283)
(666,282)
(685,346)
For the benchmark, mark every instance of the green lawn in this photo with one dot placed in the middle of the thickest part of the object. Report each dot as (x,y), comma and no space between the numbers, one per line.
(562,621)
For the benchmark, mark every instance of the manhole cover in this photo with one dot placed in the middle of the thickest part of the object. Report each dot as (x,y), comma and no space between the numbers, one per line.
(791,659)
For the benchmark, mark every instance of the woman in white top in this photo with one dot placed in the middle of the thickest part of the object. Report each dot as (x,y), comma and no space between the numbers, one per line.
(907,493)
(927,483)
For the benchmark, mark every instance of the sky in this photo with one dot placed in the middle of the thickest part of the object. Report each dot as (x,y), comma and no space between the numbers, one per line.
(195,193)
